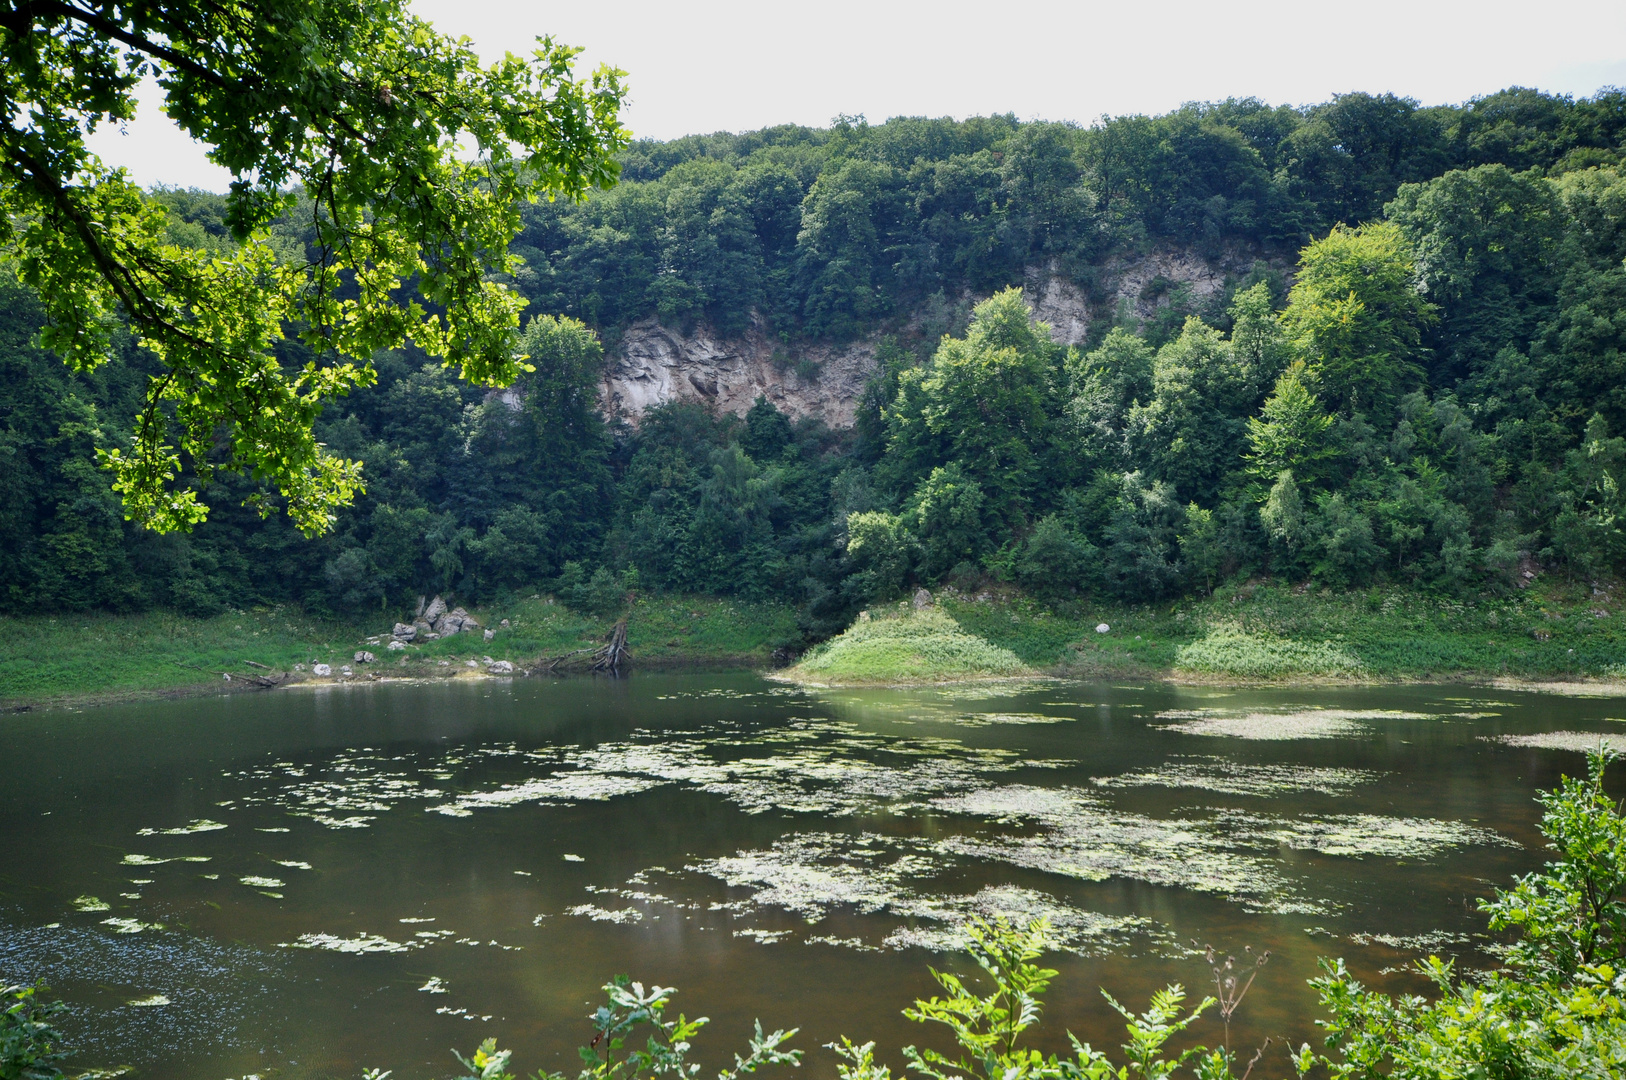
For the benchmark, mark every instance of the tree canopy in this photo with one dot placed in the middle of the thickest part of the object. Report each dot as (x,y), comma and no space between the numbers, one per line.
(404,157)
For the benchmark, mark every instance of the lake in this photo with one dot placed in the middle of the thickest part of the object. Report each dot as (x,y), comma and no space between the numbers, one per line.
(309,882)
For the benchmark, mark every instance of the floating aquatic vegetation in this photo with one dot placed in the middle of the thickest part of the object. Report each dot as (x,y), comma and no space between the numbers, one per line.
(435,985)
(1072,929)
(1297,724)
(1234,778)
(361,943)
(148,860)
(1429,942)
(1579,741)
(433,935)
(988,719)
(598,914)
(345,793)
(141,881)
(430,919)
(565,788)
(811,873)
(261,882)
(149,1002)
(763,937)
(292,864)
(572,858)
(89,904)
(278,829)
(130,895)
(131,926)
(1083,838)
(856,944)
(447,1010)
(1360,835)
(199,825)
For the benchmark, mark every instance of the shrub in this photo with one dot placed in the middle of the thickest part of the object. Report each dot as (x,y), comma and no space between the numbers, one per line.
(1228,651)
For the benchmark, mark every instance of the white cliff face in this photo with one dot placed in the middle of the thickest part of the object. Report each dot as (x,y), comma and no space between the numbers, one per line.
(654,364)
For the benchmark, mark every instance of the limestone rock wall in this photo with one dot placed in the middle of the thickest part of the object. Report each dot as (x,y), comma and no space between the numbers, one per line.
(654,364)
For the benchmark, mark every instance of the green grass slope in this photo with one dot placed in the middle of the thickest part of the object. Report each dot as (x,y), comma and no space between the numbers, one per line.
(910,647)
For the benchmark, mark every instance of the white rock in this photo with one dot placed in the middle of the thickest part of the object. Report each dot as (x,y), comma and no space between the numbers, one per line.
(226,675)
(365,657)
(345,670)
(322,670)
(471,663)
(500,667)
(1101,628)
(395,645)
(490,634)
(436,608)
(404,631)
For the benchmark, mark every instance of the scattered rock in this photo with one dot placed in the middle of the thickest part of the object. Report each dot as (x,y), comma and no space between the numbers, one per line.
(471,663)
(395,645)
(863,616)
(321,670)
(404,631)
(490,634)
(500,667)
(364,657)
(1101,628)
(299,667)
(922,600)
(345,670)
(226,675)
(417,612)
(505,622)
(436,608)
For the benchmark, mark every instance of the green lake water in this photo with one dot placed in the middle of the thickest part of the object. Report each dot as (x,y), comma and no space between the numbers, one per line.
(320,881)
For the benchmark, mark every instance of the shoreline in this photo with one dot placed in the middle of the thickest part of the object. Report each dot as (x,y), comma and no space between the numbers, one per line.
(1589,688)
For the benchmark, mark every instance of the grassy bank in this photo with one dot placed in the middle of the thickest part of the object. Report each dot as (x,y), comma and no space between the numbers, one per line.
(892,646)
(63,659)
(1554,630)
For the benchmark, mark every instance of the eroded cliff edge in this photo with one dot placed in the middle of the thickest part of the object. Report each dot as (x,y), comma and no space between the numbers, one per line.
(653,364)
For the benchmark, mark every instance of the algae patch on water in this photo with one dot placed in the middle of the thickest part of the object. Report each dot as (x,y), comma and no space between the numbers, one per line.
(1233,778)
(917,647)
(1228,651)
(1579,741)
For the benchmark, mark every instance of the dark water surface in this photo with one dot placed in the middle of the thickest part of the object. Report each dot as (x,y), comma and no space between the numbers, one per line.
(322,881)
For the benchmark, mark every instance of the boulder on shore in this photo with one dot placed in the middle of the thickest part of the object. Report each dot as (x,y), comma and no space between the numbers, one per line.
(436,608)
(321,670)
(404,632)
(364,657)
(500,667)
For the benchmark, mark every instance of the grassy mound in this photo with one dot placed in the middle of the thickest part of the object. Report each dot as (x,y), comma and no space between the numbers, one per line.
(914,647)
(1225,651)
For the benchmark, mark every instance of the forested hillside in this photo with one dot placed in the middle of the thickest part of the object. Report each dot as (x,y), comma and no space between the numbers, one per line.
(1420,379)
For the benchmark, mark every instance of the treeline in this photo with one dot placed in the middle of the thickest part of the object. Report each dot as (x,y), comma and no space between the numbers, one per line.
(1440,395)
(824,232)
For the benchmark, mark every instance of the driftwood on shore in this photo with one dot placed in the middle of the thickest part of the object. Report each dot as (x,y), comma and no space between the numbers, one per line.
(614,651)
(607,657)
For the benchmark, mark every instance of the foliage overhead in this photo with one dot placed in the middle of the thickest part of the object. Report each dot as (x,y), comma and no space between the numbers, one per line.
(401,157)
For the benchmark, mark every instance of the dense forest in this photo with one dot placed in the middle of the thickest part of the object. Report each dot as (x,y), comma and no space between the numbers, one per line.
(1420,380)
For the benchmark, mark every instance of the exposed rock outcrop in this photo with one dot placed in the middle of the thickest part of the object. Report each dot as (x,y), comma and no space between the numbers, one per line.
(654,364)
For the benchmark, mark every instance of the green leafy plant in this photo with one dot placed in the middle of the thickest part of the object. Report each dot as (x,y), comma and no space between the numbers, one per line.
(1558,1006)
(29,1043)
(632,1012)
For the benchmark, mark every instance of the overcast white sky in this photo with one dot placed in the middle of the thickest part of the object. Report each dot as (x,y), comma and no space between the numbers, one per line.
(721,65)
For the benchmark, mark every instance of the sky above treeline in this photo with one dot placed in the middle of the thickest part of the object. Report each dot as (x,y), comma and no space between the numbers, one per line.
(726,65)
